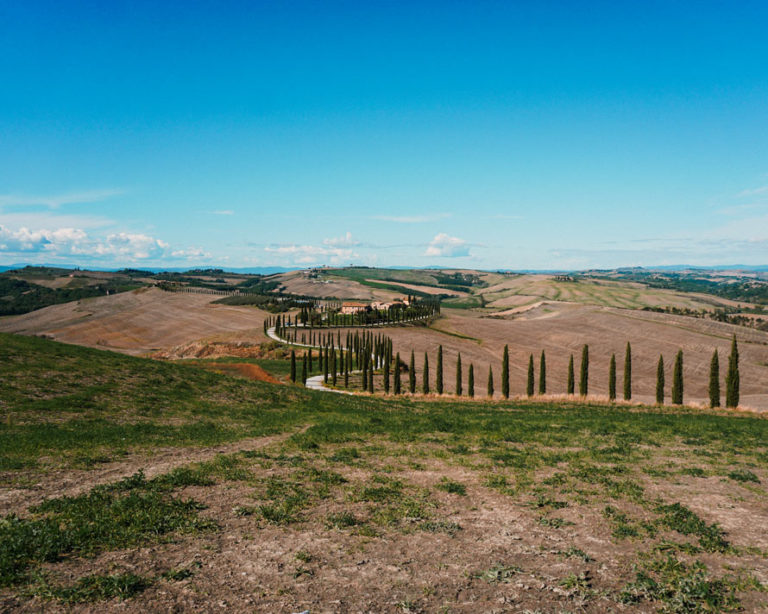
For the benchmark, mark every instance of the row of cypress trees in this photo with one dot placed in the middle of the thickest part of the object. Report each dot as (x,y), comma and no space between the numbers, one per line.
(732,377)
(375,352)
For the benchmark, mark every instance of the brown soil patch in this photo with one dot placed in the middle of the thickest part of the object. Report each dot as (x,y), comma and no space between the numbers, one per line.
(245,369)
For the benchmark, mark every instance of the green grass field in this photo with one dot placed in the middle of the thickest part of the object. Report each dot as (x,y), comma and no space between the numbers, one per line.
(602,493)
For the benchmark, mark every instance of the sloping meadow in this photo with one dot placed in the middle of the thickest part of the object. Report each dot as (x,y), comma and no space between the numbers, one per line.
(362,503)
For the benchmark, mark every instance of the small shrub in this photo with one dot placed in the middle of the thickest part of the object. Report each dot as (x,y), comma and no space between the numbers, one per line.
(743,475)
(450,486)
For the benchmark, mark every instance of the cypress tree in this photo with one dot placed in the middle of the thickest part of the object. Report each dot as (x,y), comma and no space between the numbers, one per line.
(334,366)
(439,374)
(505,373)
(310,366)
(529,387)
(471,381)
(584,377)
(677,379)
(542,374)
(660,381)
(397,374)
(365,375)
(628,373)
(325,366)
(612,378)
(490,382)
(425,375)
(714,381)
(293,366)
(386,377)
(412,375)
(571,382)
(458,376)
(347,367)
(732,378)
(370,380)
(304,370)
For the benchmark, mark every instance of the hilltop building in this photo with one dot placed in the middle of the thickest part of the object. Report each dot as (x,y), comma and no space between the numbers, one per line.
(353,307)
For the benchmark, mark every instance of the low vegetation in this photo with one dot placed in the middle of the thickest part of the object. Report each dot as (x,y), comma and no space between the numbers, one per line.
(563,507)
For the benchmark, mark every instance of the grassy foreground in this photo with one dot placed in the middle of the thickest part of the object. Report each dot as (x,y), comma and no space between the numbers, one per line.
(568,507)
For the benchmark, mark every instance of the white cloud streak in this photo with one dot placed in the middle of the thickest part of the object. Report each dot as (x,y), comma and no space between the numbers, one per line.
(57,200)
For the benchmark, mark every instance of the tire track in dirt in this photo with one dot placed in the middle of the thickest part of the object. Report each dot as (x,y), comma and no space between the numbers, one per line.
(67,482)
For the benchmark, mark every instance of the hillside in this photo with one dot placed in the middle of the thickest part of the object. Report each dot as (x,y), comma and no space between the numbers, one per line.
(273,498)
(140,321)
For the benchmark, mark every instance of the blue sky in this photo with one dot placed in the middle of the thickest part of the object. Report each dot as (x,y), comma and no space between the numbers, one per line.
(460,134)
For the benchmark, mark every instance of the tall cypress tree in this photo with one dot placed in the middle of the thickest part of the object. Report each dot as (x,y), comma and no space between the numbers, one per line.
(304,370)
(370,380)
(612,378)
(365,374)
(714,381)
(732,378)
(326,358)
(425,375)
(347,367)
(471,381)
(490,382)
(571,379)
(660,381)
(542,373)
(439,374)
(677,379)
(458,376)
(386,377)
(334,366)
(529,384)
(628,373)
(397,374)
(293,366)
(310,362)
(505,373)
(412,375)
(584,377)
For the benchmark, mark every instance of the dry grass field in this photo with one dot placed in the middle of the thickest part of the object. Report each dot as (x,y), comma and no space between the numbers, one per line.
(514,291)
(141,321)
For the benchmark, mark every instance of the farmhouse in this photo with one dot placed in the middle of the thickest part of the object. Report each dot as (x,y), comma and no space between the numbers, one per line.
(353,307)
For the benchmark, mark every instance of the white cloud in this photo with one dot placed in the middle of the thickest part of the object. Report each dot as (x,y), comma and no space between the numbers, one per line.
(193,253)
(753,192)
(77,242)
(56,200)
(345,241)
(445,246)
(223,212)
(312,254)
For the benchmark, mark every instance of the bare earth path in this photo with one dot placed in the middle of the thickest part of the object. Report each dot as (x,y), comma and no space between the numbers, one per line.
(73,482)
